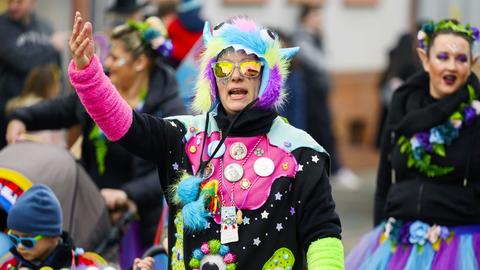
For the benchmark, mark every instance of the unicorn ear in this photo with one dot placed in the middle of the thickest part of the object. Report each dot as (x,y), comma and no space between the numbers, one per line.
(288,53)
(207,33)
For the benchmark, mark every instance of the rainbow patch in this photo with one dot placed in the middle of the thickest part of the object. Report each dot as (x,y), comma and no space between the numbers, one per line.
(12,186)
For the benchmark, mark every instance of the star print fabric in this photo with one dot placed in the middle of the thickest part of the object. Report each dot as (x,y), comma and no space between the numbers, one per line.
(296,211)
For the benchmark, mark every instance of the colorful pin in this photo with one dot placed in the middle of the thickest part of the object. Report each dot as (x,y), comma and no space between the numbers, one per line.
(208,171)
(259,151)
(245,184)
(238,151)
(233,172)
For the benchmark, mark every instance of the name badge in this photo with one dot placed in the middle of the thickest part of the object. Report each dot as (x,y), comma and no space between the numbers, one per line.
(229,227)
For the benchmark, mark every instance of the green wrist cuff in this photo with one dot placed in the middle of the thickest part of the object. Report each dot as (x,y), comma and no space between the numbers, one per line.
(325,253)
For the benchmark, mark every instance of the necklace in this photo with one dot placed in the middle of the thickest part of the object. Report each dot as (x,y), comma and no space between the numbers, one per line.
(232,216)
(235,174)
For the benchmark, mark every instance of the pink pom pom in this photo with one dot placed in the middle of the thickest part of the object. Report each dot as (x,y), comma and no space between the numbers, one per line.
(229,258)
(205,249)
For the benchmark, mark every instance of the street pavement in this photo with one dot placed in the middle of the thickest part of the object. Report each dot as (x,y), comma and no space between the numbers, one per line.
(355,207)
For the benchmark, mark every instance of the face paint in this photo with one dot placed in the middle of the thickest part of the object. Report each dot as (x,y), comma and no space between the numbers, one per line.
(121,62)
(442,56)
(448,71)
(462,58)
(453,47)
(237,90)
(224,81)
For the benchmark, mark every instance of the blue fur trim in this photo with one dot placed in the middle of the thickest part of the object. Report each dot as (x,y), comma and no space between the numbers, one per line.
(234,36)
(265,76)
(223,250)
(195,215)
(188,189)
(197,254)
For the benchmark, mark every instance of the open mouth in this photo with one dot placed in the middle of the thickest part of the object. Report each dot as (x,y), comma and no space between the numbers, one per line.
(237,92)
(449,79)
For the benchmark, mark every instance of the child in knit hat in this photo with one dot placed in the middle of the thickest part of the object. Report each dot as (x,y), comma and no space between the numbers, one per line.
(35,225)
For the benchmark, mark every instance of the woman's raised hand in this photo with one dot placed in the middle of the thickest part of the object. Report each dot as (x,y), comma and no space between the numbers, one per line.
(81,42)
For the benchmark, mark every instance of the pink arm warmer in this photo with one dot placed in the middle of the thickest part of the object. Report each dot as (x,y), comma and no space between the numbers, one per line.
(102,101)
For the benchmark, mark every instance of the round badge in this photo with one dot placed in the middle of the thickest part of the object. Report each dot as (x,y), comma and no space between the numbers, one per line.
(233,172)
(193,149)
(208,171)
(212,146)
(238,151)
(263,166)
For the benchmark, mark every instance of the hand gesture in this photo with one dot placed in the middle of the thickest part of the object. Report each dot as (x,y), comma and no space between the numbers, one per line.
(143,264)
(114,198)
(15,130)
(81,42)
(117,203)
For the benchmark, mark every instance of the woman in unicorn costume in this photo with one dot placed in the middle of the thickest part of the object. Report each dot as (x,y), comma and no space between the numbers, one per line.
(246,189)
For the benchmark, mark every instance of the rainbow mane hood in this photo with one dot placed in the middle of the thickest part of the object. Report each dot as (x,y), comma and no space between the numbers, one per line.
(242,33)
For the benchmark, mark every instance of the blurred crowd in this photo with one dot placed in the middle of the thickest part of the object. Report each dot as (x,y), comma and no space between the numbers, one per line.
(155,72)
(151,54)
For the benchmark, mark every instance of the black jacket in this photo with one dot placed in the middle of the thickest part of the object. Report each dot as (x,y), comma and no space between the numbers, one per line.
(136,176)
(299,210)
(408,194)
